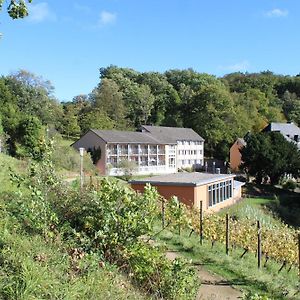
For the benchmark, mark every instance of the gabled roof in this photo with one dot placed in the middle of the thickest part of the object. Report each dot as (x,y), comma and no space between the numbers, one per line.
(172,134)
(126,137)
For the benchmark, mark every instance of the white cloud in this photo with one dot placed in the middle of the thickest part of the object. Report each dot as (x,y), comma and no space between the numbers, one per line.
(40,12)
(107,18)
(277,13)
(237,67)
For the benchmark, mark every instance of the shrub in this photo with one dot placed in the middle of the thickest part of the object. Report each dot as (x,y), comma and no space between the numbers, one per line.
(159,276)
(289,185)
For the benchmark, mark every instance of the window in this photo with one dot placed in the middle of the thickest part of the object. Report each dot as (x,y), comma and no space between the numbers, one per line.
(219,192)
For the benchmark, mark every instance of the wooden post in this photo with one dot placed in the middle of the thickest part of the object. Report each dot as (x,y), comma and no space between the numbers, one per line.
(258,245)
(81,152)
(299,253)
(163,213)
(227,234)
(201,222)
(179,229)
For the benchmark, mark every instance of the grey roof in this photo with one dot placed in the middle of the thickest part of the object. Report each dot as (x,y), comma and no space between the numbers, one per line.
(126,137)
(184,179)
(288,130)
(172,134)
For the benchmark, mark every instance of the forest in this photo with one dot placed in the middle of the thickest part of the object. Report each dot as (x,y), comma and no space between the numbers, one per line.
(219,109)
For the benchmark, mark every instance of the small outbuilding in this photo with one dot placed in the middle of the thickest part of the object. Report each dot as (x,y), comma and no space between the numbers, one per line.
(216,191)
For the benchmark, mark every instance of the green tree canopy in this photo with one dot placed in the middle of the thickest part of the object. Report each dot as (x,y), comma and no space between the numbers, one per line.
(16,8)
(95,119)
(28,138)
(269,154)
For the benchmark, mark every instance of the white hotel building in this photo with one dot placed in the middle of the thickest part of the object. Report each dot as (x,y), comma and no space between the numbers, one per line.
(155,150)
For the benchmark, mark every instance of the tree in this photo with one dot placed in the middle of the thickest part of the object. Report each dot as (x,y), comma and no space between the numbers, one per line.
(27,140)
(109,100)
(34,96)
(140,101)
(16,8)
(210,113)
(70,126)
(95,119)
(269,154)
(291,107)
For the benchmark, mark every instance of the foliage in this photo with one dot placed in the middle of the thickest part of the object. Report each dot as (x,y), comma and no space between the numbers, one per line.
(156,274)
(219,109)
(289,185)
(95,119)
(128,168)
(28,139)
(241,272)
(270,154)
(250,296)
(105,222)
(16,8)
(65,157)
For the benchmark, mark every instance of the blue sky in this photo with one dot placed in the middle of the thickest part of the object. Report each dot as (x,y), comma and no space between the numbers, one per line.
(68,41)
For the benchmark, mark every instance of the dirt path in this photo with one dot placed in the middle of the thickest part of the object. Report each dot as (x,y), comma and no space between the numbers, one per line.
(213,287)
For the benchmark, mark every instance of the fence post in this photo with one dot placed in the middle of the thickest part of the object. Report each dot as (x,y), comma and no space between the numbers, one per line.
(163,213)
(299,253)
(258,244)
(227,234)
(180,217)
(81,152)
(201,222)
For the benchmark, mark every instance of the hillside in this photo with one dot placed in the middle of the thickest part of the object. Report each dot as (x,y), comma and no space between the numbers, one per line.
(35,268)
(59,242)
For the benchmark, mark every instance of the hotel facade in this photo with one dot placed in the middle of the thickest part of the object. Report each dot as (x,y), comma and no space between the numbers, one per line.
(154,150)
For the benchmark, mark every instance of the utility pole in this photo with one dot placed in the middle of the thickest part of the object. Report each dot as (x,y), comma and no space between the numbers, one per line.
(81,151)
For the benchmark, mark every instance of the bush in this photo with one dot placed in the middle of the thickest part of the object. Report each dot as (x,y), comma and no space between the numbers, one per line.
(289,185)
(159,276)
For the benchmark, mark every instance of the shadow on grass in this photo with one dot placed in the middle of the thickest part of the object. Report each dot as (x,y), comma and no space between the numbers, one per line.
(283,203)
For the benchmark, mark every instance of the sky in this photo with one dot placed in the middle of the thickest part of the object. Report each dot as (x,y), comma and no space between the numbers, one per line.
(67,42)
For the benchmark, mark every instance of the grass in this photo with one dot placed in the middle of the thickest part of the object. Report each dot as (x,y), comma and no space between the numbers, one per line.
(33,269)
(241,273)
(283,203)
(8,164)
(255,209)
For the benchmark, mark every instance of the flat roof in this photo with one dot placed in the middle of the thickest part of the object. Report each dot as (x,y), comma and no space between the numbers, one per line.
(184,179)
